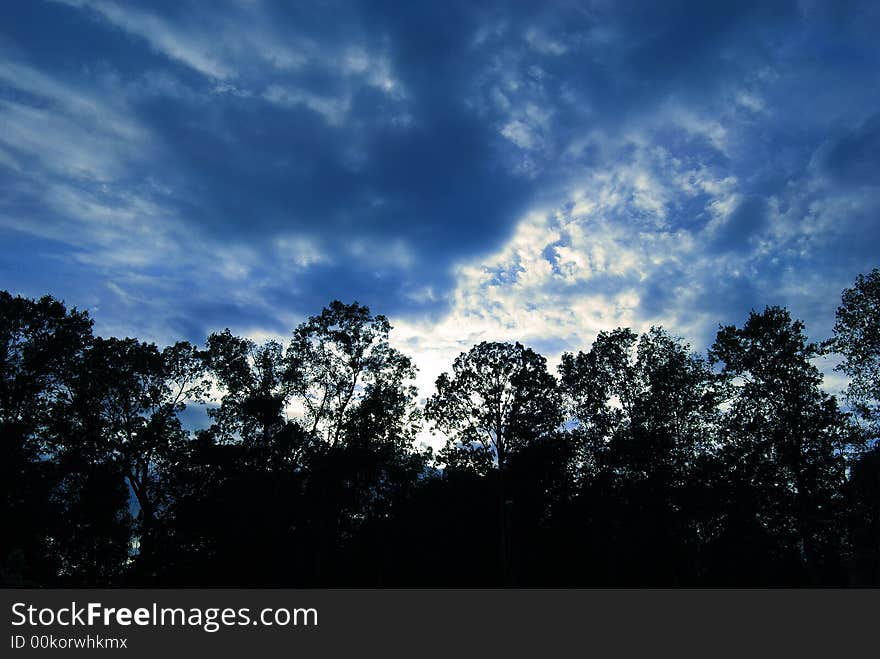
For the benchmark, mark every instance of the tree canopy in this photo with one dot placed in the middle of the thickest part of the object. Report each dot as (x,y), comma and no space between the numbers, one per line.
(638,462)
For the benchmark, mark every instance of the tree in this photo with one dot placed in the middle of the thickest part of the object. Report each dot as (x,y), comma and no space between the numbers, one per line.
(500,398)
(644,464)
(643,411)
(359,403)
(857,338)
(57,469)
(499,401)
(348,378)
(785,439)
(600,392)
(243,472)
(641,404)
(256,394)
(140,391)
(41,344)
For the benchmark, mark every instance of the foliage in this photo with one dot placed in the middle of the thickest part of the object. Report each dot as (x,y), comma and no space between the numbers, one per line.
(500,398)
(857,339)
(642,464)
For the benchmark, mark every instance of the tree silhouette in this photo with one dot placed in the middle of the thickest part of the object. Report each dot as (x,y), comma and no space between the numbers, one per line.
(90,536)
(857,338)
(339,362)
(358,402)
(236,472)
(644,411)
(139,391)
(255,391)
(645,464)
(785,439)
(41,344)
(499,400)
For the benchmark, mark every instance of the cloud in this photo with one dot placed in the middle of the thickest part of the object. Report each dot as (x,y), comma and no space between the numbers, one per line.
(532,172)
(169,39)
(69,130)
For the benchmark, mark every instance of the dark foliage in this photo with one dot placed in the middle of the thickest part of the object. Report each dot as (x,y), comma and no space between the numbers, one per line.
(641,464)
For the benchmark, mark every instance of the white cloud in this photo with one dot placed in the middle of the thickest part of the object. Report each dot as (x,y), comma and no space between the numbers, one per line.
(750,101)
(707,128)
(544,44)
(300,251)
(173,41)
(69,130)
(393,253)
(244,54)
(521,134)
(334,109)
(587,265)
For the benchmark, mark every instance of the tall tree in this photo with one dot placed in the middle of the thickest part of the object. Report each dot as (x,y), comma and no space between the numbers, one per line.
(41,344)
(643,411)
(857,338)
(601,390)
(95,530)
(628,392)
(357,398)
(141,391)
(499,399)
(347,376)
(243,472)
(863,492)
(786,440)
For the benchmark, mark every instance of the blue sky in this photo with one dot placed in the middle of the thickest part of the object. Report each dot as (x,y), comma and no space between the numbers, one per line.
(531,171)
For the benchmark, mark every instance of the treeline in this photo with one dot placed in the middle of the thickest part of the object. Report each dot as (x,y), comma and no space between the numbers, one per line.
(639,463)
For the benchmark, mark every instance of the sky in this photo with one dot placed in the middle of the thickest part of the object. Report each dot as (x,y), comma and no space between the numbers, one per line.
(532,171)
